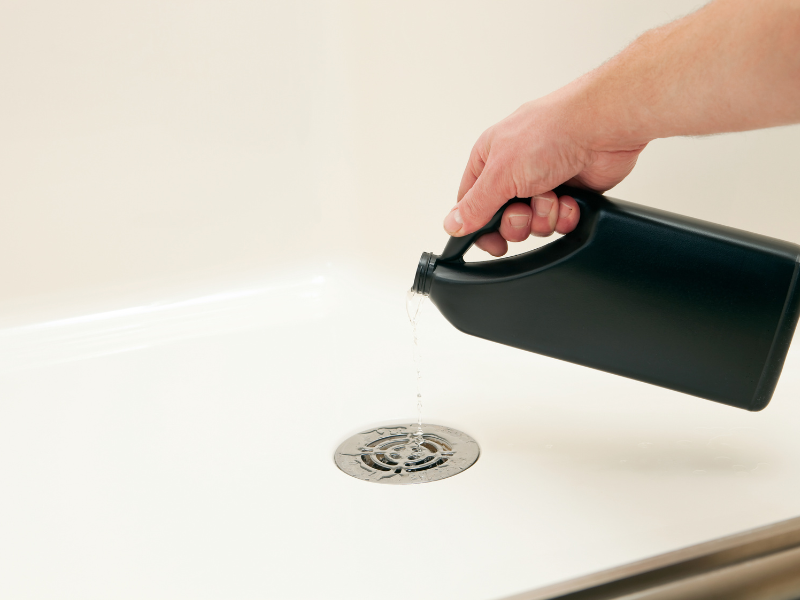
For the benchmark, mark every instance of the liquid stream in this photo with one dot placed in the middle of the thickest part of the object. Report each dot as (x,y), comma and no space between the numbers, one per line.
(414,304)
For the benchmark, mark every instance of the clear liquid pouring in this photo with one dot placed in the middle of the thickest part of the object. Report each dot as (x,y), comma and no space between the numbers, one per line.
(414,304)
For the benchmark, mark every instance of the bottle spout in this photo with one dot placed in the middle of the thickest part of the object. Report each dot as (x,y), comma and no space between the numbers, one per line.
(423,279)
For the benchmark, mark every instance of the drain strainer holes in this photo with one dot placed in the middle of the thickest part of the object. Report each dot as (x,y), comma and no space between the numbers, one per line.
(395,455)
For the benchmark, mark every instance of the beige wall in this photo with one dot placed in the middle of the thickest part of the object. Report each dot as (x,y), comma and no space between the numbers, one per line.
(153,141)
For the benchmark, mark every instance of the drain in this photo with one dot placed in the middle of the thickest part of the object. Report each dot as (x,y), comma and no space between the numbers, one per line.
(393,454)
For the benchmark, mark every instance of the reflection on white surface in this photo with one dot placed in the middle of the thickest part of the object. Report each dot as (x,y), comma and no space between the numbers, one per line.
(136,327)
(172,306)
(196,460)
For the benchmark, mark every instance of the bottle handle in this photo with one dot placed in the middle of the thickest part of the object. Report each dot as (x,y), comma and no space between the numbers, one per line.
(589,202)
(457,247)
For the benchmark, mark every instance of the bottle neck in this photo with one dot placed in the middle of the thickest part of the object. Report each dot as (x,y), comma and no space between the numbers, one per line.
(423,279)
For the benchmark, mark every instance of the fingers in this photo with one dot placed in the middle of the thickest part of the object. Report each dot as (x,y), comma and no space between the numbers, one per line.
(515,227)
(474,169)
(546,215)
(478,205)
(493,243)
(554,214)
(569,213)
(475,164)
(516,223)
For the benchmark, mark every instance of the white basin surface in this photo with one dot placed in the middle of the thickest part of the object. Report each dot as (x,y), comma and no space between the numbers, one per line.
(184,449)
(210,213)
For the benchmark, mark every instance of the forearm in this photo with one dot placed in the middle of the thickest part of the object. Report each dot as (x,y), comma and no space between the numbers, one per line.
(732,66)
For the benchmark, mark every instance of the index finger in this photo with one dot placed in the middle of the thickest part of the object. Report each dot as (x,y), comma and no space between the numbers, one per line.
(473,170)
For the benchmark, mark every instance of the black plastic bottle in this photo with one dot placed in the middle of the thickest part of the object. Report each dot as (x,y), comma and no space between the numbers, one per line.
(684,304)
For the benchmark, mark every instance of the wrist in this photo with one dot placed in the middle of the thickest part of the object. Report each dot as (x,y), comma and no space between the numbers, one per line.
(601,117)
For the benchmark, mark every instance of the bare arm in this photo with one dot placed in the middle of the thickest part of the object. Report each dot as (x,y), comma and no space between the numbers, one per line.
(733,65)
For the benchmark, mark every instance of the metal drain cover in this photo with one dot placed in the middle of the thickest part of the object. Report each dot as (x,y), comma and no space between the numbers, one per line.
(393,454)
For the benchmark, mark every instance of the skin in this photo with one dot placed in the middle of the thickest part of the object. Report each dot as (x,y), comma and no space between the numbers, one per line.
(734,65)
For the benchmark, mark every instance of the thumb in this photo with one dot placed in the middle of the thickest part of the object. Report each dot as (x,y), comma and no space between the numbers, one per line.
(478,205)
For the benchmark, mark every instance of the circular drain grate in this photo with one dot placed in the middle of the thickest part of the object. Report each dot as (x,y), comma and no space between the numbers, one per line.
(395,455)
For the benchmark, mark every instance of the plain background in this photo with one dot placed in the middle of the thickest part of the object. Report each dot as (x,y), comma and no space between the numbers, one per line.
(148,143)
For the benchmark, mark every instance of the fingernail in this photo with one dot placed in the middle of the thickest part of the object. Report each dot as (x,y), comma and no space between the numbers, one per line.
(453,222)
(542,205)
(564,211)
(519,221)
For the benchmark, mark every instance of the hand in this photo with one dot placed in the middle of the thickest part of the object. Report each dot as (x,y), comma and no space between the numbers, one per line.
(733,65)
(537,148)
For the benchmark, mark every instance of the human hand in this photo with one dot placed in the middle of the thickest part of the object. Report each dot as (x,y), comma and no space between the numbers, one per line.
(734,65)
(527,154)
